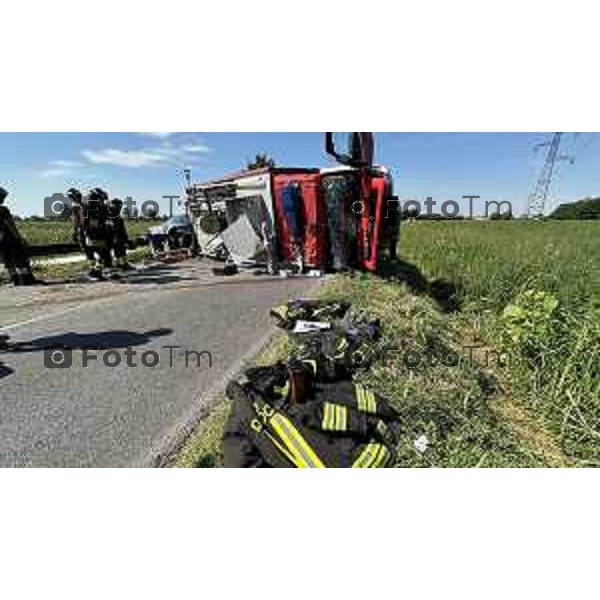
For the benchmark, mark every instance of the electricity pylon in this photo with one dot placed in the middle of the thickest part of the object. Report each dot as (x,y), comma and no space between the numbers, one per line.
(539,195)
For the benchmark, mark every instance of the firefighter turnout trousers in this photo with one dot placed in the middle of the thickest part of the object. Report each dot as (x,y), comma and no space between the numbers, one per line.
(343,425)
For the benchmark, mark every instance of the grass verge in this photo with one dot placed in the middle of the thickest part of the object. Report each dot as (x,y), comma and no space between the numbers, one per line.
(464,412)
(203,449)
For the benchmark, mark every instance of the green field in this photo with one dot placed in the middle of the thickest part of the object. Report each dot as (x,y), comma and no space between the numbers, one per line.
(490,262)
(531,289)
(41,232)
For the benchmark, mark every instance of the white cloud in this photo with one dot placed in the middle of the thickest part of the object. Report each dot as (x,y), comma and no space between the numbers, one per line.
(196,149)
(125,158)
(161,135)
(164,153)
(161,155)
(60,168)
(74,177)
(53,172)
(66,164)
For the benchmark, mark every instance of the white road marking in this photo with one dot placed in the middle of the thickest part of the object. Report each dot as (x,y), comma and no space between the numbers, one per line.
(109,298)
(36,319)
(60,313)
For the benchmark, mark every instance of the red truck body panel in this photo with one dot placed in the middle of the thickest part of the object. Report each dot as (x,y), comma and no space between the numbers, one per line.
(313,211)
(371,223)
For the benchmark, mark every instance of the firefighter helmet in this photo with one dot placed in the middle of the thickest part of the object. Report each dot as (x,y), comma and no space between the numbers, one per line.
(115,207)
(98,194)
(75,195)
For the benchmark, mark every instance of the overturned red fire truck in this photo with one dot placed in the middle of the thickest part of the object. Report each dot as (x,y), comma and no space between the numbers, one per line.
(303,218)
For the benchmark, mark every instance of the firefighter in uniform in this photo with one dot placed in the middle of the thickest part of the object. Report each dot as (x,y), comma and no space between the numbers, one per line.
(119,237)
(13,250)
(96,231)
(78,216)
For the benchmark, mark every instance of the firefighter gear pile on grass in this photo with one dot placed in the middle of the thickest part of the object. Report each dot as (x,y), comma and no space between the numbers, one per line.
(309,412)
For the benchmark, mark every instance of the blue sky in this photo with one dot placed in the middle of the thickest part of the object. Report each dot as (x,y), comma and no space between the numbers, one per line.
(147,166)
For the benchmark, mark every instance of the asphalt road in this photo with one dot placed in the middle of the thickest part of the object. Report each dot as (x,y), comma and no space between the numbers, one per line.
(123,415)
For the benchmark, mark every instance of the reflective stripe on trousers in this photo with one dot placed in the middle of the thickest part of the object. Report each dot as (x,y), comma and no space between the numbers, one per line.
(365,400)
(372,457)
(300,452)
(335,417)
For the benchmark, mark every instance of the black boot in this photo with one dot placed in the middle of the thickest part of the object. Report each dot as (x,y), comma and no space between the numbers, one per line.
(95,274)
(30,279)
(24,277)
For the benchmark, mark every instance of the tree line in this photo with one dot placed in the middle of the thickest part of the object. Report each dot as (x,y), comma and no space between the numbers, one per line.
(582,210)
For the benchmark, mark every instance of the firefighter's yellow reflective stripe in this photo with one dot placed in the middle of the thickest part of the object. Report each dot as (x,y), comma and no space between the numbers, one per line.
(335,417)
(382,458)
(367,456)
(341,348)
(327,423)
(372,457)
(365,400)
(283,391)
(264,413)
(383,430)
(281,311)
(342,417)
(302,455)
(371,402)
(361,398)
(360,402)
(280,447)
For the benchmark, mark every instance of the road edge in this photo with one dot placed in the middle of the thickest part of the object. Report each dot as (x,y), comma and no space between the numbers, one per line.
(164,452)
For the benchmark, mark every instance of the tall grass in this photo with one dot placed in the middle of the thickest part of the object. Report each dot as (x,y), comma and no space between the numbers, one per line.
(39,232)
(490,262)
(493,265)
(451,407)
